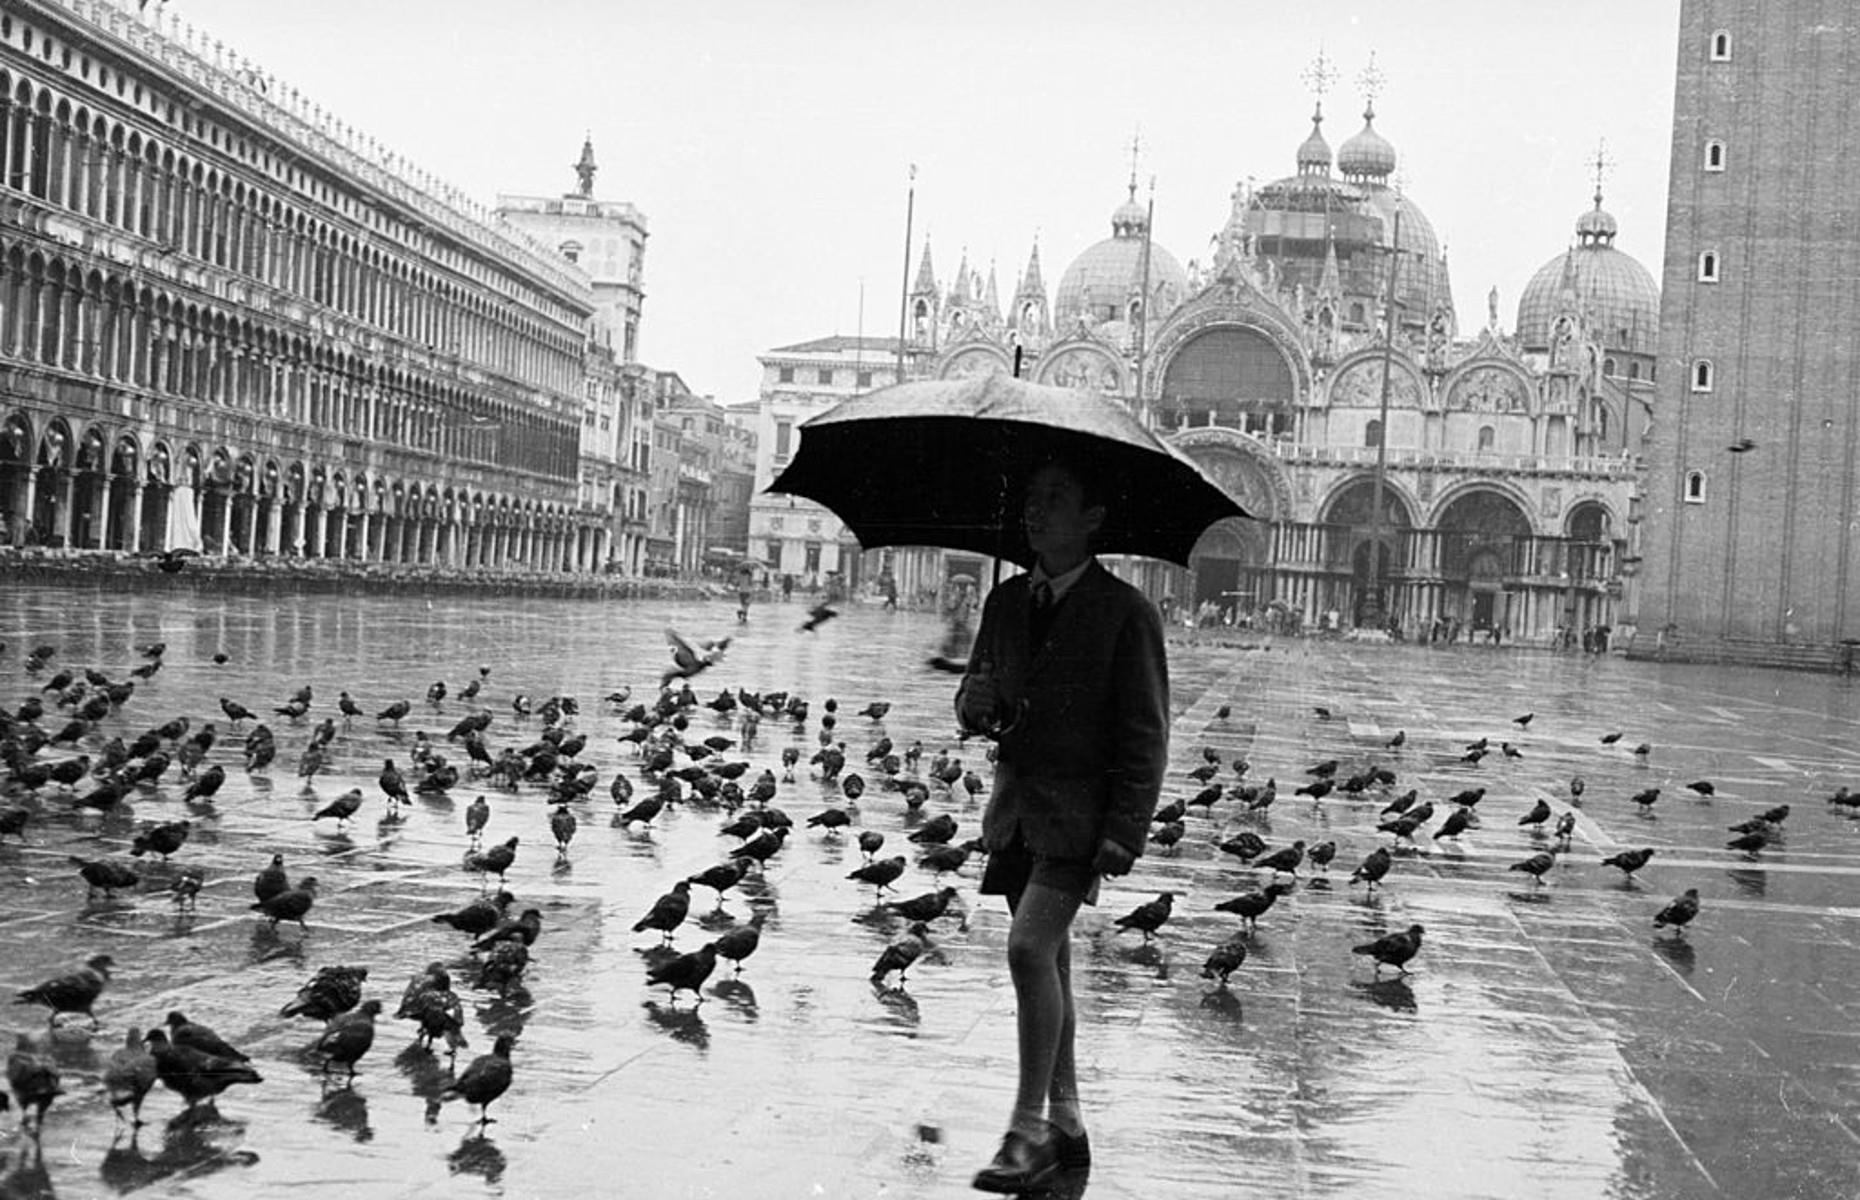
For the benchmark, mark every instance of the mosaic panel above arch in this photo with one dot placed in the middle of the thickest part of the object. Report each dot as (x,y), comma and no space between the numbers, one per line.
(1488,388)
(1243,468)
(973,360)
(1078,366)
(1358,384)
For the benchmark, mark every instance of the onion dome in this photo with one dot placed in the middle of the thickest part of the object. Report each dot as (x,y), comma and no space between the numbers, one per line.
(1104,277)
(1368,156)
(1619,294)
(1314,152)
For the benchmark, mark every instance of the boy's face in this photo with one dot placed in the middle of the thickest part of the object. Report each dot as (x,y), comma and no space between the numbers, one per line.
(1058,522)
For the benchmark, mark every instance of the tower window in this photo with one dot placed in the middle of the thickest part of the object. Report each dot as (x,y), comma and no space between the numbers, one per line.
(1708,266)
(1372,433)
(1701,375)
(1721,46)
(1486,437)
(784,375)
(824,377)
(1714,155)
(1695,487)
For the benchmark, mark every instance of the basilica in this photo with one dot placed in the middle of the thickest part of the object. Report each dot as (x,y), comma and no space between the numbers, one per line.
(1407,468)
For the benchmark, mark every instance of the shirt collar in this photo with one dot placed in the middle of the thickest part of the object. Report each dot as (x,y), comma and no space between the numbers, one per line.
(1060,584)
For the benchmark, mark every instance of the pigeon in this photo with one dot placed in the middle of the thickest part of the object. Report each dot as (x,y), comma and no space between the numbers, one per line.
(1286,860)
(926,907)
(1540,813)
(1225,959)
(1373,867)
(1742,445)
(817,616)
(1323,770)
(1565,827)
(479,917)
(1536,865)
(686,971)
(1749,843)
(183,1032)
(1576,787)
(1250,906)
(1644,749)
(271,880)
(881,874)
(1168,833)
(1456,823)
(193,1075)
(562,824)
(1321,855)
(688,659)
(938,830)
(477,816)
(1524,720)
(1396,742)
(1703,787)
(831,819)
(485,1079)
(13,820)
(668,911)
(1629,861)
(291,904)
(1393,949)
(394,712)
(1149,917)
(393,783)
(723,876)
(101,873)
(1646,798)
(901,953)
(1317,789)
(348,1037)
(871,841)
(32,1075)
(1609,739)
(1679,913)
(206,784)
(342,807)
(495,861)
(525,928)
(76,992)
(129,1075)
(185,888)
(163,839)
(430,1003)
(332,991)
(739,943)
(1245,845)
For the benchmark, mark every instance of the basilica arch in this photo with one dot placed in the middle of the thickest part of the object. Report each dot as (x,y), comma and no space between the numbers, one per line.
(1486,548)
(1232,562)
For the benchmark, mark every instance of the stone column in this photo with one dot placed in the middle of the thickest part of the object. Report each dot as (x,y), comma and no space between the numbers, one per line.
(226,515)
(104,496)
(274,525)
(318,518)
(363,539)
(134,540)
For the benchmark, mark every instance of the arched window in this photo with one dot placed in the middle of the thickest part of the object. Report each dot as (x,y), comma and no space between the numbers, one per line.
(1701,375)
(1695,487)
(1372,433)
(1708,266)
(1357,313)
(1721,45)
(1486,437)
(1608,367)
(1714,155)
(1633,371)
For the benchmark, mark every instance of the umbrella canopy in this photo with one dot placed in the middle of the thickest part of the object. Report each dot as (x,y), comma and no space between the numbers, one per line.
(943,462)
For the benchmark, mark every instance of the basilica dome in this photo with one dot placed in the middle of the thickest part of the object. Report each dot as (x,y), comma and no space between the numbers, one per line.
(1101,278)
(1622,300)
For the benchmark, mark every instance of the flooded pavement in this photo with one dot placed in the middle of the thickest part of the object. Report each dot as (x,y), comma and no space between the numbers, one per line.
(1549,1041)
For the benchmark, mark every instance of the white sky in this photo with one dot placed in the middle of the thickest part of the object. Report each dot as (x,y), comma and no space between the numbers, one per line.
(768,141)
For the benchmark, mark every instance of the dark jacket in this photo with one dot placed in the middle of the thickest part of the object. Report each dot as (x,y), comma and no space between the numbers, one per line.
(1086,759)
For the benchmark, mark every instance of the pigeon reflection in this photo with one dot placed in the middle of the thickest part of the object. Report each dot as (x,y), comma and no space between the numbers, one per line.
(1223,1002)
(1392,993)
(900,1006)
(508,1013)
(1678,953)
(683,1024)
(268,946)
(424,1074)
(477,1155)
(1752,882)
(738,996)
(346,1109)
(194,1144)
(25,1175)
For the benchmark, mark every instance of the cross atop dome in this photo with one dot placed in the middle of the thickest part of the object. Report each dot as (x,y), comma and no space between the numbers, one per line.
(1600,165)
(1319,75)
(1369,81)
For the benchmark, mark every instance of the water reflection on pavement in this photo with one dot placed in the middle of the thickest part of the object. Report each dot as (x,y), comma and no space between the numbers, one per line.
(1546,1041)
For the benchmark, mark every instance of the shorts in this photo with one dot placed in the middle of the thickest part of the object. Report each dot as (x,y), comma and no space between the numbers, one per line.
(1015,865)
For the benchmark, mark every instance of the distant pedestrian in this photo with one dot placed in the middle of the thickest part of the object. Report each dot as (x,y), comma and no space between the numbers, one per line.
(787,587)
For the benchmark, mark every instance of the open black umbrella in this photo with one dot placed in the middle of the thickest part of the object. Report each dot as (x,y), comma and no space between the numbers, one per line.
(941,463)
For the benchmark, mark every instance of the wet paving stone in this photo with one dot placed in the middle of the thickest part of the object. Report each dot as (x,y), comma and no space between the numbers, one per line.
(1548,1042)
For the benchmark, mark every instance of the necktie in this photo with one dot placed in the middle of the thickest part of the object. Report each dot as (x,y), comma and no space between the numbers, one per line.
(1042,596)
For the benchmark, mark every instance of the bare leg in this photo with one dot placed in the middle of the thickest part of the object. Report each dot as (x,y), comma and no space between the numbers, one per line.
(1062,1094)
(1037,943)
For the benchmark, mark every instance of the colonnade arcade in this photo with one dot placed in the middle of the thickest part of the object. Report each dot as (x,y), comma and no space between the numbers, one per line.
(98,488)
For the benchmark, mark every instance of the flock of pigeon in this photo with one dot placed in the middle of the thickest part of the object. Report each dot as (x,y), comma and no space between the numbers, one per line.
(60,761)
(69,758)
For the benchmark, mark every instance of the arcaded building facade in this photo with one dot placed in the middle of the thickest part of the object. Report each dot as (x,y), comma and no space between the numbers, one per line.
(1753,537)
(229,323)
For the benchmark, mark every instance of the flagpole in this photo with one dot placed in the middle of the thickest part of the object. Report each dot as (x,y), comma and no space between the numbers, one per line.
(904,289)
(1376,605)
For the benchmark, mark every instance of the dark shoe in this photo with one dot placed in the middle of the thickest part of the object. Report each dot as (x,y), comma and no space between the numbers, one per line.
(1021,1165)
(1072,1151)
